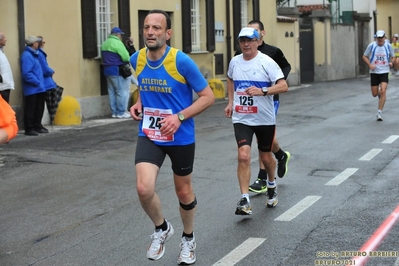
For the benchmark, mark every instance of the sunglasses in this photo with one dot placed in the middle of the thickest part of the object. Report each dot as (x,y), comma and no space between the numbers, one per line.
(247,40)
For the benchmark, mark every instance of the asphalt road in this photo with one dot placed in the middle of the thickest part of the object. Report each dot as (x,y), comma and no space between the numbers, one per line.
(68,197)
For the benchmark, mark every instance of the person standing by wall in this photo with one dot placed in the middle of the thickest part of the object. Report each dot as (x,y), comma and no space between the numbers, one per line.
(130,46)
(129,43)
(48,72)
(252,80)
(378,57)
(167,128)
(7,79)
(114,54)
(33,87)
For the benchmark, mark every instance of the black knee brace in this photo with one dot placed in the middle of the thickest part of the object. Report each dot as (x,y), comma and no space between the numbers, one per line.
(189,206)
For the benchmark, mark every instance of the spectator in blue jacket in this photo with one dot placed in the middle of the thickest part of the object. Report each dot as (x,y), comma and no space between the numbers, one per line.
(33,87)
(113,55)
(48,72)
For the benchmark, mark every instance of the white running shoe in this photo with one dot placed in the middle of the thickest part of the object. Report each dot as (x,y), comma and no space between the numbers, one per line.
(379,117)
(187,253)
(158,238)
(244,207)
(125,115)
(271,196)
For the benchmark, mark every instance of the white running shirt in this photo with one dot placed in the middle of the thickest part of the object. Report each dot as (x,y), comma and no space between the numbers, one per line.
(379,56)
(261,71)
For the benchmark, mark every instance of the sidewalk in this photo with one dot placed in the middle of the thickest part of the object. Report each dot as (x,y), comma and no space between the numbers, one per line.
(95,122)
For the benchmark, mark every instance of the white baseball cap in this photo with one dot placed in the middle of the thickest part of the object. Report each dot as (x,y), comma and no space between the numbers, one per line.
(249,33)
(380,34)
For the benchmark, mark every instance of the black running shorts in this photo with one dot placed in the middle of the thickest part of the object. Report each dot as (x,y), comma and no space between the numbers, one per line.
(377,79)
(264,134)
(182,157)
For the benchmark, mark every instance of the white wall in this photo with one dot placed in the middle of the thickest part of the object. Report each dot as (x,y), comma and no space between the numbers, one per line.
(308,2)
(366,6)
(362,6)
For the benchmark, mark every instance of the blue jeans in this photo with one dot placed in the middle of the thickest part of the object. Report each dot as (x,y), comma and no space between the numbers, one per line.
(118,92)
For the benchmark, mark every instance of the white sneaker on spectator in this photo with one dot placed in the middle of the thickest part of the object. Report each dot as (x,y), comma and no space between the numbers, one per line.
(125,115)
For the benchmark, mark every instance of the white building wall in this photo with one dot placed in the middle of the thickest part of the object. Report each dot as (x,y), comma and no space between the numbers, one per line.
(360,6)
(363,6)
(308,2)
(366,6)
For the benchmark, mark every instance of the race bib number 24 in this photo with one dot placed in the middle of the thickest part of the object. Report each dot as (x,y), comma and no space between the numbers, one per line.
(151,126)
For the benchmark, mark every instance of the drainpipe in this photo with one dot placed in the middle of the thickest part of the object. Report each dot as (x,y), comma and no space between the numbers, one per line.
(326,66)
(21,46)
(21,25)
(228,36)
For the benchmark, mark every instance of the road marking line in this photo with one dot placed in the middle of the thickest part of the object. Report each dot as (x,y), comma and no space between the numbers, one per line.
(298,208)
(341,177)
(391,139)
(370,155)
(240,252)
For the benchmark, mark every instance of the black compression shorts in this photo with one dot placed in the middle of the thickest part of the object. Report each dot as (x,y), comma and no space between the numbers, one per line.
(264,134)
(182,157)
(377,79)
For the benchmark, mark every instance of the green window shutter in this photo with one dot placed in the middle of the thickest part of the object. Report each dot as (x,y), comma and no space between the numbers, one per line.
(210,25)
(89,37)
(255,10)
(236,22)
(186,25)
(124,18)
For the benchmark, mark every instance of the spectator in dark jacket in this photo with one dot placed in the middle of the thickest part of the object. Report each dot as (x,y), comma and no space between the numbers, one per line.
(33,87)
(130,46)
(131,49)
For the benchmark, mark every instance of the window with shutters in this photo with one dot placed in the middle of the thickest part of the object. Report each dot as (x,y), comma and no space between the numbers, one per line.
(244,13)
(195,26)
(198,25)
(97,22)
(240,17)
(104,23)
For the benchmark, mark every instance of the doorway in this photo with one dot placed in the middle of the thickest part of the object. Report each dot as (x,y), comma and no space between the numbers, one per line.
(306,51)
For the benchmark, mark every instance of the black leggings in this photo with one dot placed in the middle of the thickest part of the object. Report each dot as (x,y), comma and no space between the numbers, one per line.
(34,108)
